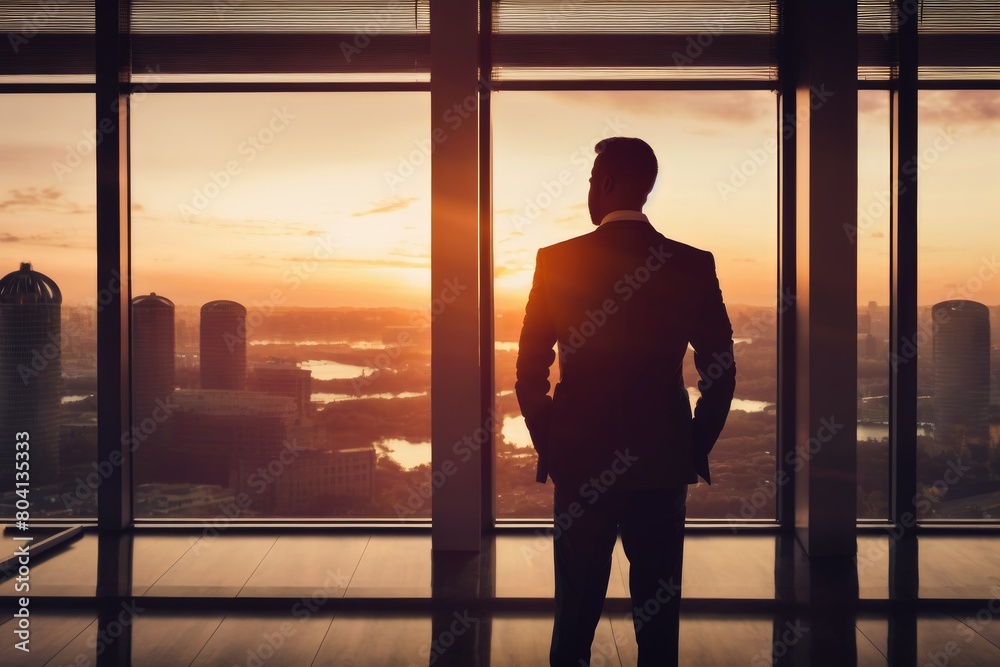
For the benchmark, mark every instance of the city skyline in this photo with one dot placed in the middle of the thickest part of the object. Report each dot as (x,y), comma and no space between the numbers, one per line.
(358,201)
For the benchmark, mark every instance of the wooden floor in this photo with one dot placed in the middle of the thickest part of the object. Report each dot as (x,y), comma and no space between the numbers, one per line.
(375,600)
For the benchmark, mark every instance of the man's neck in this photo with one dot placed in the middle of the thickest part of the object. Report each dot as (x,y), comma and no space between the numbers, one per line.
(624,214)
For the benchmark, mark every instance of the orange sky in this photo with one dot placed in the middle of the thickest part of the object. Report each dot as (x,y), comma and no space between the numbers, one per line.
(344,179)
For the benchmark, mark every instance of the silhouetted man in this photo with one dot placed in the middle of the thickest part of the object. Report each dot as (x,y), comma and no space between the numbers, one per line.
(617,436)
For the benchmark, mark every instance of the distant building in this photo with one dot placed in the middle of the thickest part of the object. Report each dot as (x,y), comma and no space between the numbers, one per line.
(223,349)
(214,429)
(153,383)
(311,483)
(873,347)
(31,344)
(406,336)
(174,500)
(864,323)
(962,379)
(285,379)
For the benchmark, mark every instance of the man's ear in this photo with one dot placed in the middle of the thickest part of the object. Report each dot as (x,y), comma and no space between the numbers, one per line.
(607,183)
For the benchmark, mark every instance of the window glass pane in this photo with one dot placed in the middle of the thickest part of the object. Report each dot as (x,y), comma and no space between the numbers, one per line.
(717,190)
(872,237)
(958,470)
(48,335)
(281,277)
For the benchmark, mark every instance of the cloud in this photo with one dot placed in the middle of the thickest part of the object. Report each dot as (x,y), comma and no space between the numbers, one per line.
(47,199)
(701,107)
(54,239)
(871,103)
(387,206)
(389,262)
(974,109)
(235,227)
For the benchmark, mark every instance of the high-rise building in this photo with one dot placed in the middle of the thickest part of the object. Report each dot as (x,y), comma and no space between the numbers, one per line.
(223,349)
(285,379)
(152,382)
(962,378)
(215,429)
(31,343)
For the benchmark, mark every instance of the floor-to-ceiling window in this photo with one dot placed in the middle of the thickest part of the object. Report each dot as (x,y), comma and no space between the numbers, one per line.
(716,190)
(48,306)
(281,311)
(958,299)
(871,235)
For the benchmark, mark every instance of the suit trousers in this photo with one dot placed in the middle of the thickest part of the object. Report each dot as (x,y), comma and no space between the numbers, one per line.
(587,523)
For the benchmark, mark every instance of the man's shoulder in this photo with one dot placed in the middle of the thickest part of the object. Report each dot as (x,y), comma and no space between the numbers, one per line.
(681,252)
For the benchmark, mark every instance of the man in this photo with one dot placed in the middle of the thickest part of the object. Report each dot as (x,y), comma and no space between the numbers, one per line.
(617,436)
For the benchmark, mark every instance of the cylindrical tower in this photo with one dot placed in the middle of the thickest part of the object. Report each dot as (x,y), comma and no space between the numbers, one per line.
(962,378)
(152,382)
(223,346)
(31,346)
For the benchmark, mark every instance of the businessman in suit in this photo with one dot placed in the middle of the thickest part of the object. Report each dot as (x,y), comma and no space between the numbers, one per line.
(617,437)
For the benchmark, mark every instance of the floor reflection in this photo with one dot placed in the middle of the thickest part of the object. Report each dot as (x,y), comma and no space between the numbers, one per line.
(288,598)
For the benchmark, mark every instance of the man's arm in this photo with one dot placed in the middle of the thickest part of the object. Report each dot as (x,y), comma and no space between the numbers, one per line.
(534,357)
(712,341)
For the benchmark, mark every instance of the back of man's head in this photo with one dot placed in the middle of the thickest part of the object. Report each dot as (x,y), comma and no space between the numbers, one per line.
(630,160)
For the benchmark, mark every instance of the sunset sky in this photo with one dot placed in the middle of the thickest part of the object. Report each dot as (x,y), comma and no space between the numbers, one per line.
(234,194)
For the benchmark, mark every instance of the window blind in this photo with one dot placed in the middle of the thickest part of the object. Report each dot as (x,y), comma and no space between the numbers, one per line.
(240,39)
(46,38)
(956,39)
(376,40)
(959,39)
(622,39)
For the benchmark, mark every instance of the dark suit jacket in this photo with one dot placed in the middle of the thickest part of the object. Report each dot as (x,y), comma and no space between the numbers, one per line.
(623,302)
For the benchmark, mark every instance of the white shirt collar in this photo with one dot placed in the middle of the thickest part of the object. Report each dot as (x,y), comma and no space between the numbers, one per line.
(624,215)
